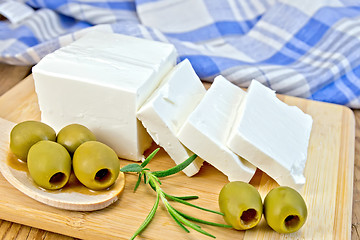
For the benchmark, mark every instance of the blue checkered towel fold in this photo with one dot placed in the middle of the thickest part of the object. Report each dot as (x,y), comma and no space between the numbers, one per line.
(304,48)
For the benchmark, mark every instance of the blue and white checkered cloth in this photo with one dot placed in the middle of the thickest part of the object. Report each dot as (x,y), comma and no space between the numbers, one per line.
(304,48)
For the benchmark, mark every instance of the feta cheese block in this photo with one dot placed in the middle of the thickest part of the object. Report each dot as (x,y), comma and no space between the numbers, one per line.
(206,130)
(167,109)
(272,135)
(100,81)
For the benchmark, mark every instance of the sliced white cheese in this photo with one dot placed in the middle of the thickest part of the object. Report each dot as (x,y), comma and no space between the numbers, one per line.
(206,130)
(272,135)
(167,109)
(101,81)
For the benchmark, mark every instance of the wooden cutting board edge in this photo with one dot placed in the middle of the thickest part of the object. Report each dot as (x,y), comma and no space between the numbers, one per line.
(348,153)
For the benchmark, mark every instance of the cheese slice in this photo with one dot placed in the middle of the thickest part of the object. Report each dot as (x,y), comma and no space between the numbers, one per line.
(272,135)
(101,81)
(167,109)
(206,130)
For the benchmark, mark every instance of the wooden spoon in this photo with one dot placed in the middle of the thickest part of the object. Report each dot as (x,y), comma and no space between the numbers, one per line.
(77,198)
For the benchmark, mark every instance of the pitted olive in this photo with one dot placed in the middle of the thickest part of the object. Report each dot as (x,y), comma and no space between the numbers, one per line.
(73,135)
(96,165)
(49,164)
(241,204)
(285,210)
(26,134)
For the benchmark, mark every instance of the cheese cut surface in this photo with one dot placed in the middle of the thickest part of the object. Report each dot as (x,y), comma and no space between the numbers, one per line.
(167,109)
(206,130)
(93,82)
(272,135)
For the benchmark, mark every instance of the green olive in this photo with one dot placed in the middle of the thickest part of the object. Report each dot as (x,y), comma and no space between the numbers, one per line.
(49,164)
(73,135)
(241,205)
(96,165)
(284,210)
(26,134)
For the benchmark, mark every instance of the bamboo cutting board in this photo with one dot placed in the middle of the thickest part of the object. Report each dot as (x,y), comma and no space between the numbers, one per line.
(328,191)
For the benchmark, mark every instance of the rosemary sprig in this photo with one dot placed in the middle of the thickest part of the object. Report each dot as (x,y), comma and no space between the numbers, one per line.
(152,178)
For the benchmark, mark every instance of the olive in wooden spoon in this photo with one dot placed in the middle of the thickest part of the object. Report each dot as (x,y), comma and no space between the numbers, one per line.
(26,134)
(49,164)
(73,135)
(96,165)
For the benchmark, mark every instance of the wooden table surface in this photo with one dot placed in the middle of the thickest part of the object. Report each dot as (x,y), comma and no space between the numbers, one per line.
(11,75)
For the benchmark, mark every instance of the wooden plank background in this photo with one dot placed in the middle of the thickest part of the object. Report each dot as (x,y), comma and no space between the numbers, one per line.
(10,75)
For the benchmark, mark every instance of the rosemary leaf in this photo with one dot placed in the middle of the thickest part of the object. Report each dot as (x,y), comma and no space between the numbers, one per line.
(184,197)
(147,160)
(152,186)
(156,178)
(192,205)
(175,169)
(145,180)
(148,218)
(184,220)
(202,221)
(138,182)
(133,167)
(179,223)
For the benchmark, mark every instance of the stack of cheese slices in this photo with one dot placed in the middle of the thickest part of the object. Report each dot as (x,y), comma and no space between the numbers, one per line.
(130,92)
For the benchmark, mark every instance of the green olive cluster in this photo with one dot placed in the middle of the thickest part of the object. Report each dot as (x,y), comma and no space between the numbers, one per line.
(284,208)
(51,158)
